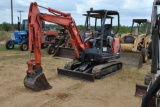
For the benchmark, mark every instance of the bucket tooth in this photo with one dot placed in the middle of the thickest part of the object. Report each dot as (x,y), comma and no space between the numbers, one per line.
(36,81)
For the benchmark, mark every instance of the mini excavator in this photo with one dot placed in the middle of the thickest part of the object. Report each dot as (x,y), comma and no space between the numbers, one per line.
(94,49)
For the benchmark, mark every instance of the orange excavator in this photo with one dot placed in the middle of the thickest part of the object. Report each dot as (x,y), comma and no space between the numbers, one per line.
(94,50)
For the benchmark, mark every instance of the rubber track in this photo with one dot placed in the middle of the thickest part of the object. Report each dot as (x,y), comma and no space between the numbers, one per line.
(106,69)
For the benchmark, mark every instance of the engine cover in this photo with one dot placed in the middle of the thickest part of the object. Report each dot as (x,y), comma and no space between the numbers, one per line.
(116,45)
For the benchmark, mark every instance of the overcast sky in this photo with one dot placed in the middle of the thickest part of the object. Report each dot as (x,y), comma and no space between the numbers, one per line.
(128,9)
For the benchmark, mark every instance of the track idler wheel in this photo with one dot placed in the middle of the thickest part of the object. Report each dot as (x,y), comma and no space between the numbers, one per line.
(36,81)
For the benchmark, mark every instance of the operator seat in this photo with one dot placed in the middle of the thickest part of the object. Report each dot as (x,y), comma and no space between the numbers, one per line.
(107,37)
(107,30)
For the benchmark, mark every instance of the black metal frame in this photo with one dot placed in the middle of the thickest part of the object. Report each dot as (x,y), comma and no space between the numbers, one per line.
(103,15)
(151,95)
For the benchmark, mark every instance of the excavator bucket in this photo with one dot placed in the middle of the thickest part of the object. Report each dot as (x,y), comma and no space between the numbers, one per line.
(141,90)
(65,52)
(131,59)
(37,81)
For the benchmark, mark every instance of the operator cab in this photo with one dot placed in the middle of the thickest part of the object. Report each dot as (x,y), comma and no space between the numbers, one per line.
(140,23)
(25,24)
(100,33)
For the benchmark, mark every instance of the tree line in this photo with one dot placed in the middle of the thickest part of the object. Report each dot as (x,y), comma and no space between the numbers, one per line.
(122,29)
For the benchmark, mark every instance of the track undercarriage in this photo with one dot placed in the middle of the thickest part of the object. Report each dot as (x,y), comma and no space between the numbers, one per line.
(90,70)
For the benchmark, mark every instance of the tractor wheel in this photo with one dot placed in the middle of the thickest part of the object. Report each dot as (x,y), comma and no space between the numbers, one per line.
(144,55)
(24,46)
(51,49)
(148,78)
(9,45)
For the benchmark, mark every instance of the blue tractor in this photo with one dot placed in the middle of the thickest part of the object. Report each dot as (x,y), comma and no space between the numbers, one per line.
(19,37)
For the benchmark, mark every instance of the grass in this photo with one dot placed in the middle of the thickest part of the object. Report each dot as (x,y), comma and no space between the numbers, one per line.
(3,48)
(4,36)
(133,75)
(50,64)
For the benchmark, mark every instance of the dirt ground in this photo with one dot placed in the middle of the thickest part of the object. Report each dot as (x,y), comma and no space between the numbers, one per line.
(117,90)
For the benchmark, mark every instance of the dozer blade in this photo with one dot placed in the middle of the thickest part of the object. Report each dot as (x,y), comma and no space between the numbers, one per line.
(131,59)
(75,74)
(36,81)
(65,52)
(141,90)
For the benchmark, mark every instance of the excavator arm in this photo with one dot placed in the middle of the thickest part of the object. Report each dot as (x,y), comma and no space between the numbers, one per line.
(57,17)
(35,19)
